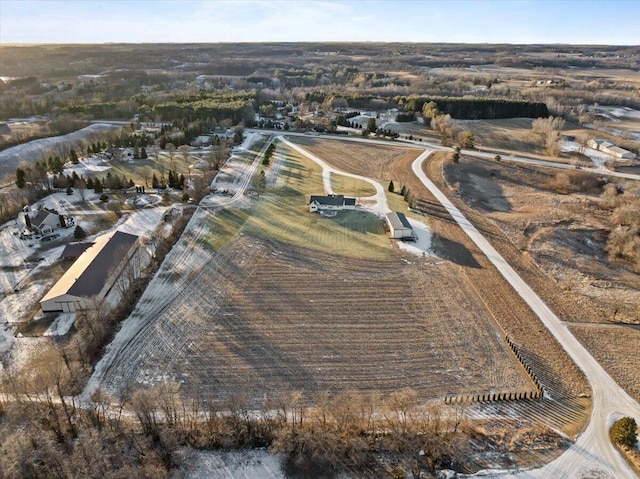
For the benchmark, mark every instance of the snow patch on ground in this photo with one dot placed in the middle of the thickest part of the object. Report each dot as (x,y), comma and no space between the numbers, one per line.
(597,157)
(143,201)
(619,112)
(61,325)
(422,245)
(86,167)
(249,464)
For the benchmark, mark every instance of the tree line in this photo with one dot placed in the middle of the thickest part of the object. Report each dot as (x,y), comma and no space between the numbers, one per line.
(477,108)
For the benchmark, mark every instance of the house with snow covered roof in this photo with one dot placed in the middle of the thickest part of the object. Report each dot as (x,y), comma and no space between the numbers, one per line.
(331,203)
(93,275)
(45,221)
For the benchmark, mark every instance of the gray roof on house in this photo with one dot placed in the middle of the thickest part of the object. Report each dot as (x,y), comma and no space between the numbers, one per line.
(94,277)
(42,215)
(329,200)
(73,250)
(332,200)
(398,220)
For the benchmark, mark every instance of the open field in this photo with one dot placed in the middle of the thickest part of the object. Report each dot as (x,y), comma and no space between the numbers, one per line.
(280,300)
(616,348)
(560,377)
(371,161)
(564,236)
(341,184)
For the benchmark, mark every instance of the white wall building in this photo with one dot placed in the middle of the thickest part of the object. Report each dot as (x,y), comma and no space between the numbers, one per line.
(331,203)
(92,275)
(399,226)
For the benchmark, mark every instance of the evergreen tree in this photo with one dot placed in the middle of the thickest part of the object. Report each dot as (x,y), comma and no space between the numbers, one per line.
(403,191)
(27,221)
(79,233)
(143,153)
(182,181)
(90,183)
(624,432)
(97,186)
(154,181)
(391,187)
(73,156)
(21,178)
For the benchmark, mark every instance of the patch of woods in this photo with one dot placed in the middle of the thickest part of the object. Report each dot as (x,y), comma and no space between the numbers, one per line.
(623,243)
(477,108)
(46,432)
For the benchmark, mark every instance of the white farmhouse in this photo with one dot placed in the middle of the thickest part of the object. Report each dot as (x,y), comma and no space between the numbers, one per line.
(331,203)
(92,275)
(399,226)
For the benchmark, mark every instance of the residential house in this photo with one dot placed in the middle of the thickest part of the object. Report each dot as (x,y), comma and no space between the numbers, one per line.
(331,203)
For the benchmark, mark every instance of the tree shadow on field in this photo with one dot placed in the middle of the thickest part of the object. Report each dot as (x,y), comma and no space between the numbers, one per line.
(291,174)
(454,252)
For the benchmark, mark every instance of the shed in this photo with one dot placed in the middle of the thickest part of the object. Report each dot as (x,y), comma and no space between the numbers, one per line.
(399,226)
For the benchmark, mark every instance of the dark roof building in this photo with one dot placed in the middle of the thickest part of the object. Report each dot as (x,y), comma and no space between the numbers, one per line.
(93,274)
(74,250)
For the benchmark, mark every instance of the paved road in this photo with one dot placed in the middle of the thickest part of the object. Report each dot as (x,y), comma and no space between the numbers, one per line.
(592,455)
(476,154)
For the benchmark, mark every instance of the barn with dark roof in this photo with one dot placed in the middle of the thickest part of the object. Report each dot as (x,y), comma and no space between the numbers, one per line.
(92,275)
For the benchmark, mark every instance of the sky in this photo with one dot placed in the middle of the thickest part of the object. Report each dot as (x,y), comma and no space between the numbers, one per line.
(611,22)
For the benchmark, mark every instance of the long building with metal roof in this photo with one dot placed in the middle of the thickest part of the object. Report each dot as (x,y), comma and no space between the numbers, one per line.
(92,275)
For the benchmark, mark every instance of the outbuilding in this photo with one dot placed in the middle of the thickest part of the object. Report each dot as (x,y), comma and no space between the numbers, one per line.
(399,226)
(92,275)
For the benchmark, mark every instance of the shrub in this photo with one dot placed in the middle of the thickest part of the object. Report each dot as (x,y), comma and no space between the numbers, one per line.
(185,197)
(624,432)
(104,198)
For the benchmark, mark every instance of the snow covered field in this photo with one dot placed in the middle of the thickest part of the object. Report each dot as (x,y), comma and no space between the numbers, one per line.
(32,150)
(249,464)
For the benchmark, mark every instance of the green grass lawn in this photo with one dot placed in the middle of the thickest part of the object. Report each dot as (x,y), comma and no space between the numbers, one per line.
(345,185)
(282,214)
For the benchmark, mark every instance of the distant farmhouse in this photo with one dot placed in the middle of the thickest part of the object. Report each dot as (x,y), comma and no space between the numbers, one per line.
(399,226)
(45,221)
(331,203)
(92,275)
(610,148)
